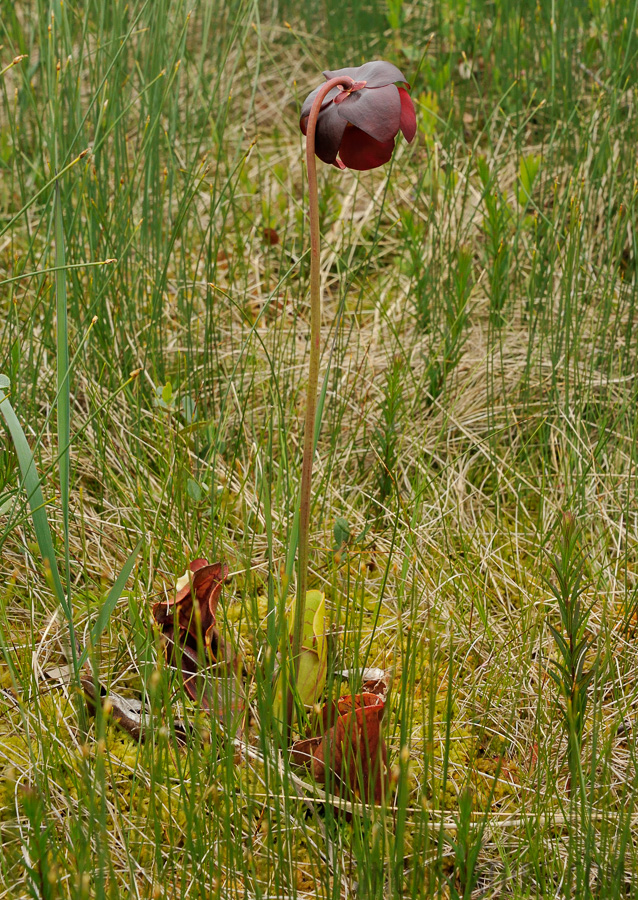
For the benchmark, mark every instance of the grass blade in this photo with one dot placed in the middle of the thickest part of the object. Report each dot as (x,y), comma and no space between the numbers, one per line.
(63,392)
(110,603)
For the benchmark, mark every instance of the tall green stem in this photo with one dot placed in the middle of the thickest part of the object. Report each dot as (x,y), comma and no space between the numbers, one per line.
(313,377)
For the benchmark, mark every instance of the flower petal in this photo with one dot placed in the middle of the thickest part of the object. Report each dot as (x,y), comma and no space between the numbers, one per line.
(408,115)
(307,104)
(330,129)
(376,73)
(376,111)
(352,72)
(360,151)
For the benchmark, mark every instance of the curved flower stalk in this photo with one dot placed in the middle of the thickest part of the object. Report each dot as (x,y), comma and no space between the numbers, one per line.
(351,121)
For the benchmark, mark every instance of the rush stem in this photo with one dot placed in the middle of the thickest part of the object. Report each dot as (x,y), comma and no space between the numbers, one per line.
(313,382)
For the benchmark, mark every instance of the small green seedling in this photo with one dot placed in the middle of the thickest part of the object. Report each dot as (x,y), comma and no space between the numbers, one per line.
(572,642)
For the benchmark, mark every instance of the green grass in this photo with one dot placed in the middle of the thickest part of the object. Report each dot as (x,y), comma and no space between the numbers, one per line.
(480,357)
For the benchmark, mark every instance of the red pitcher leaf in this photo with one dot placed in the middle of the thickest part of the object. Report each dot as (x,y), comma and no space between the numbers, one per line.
(183,585)
(182,592)
(344,705)
(305,753)
(193,610)
(365,700)
(222,694)
(205,582)
(218,694)
(352,750)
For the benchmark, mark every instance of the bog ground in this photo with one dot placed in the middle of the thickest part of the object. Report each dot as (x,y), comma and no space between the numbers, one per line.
(480,377)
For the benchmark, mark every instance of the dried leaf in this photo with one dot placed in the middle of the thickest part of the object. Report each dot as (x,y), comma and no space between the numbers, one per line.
(127,712)
(368,674)
(270,236)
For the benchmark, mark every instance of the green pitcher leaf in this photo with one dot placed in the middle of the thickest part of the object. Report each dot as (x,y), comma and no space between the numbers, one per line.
(314,615)
(313,658)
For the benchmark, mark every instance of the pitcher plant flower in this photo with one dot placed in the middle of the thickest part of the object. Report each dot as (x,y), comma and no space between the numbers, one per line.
(357,124)
(351,121)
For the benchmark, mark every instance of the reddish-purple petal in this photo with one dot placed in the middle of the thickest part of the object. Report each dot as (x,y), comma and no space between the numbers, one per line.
(379,72)
(376,111)
(360,151)
(307,104)
(408,115)
(351,72)
(330,128)
(376,73)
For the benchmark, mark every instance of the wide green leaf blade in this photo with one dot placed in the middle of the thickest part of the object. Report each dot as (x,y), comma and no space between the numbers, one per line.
(35,498)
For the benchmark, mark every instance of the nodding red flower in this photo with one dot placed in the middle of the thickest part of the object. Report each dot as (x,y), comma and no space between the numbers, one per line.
(359,123)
